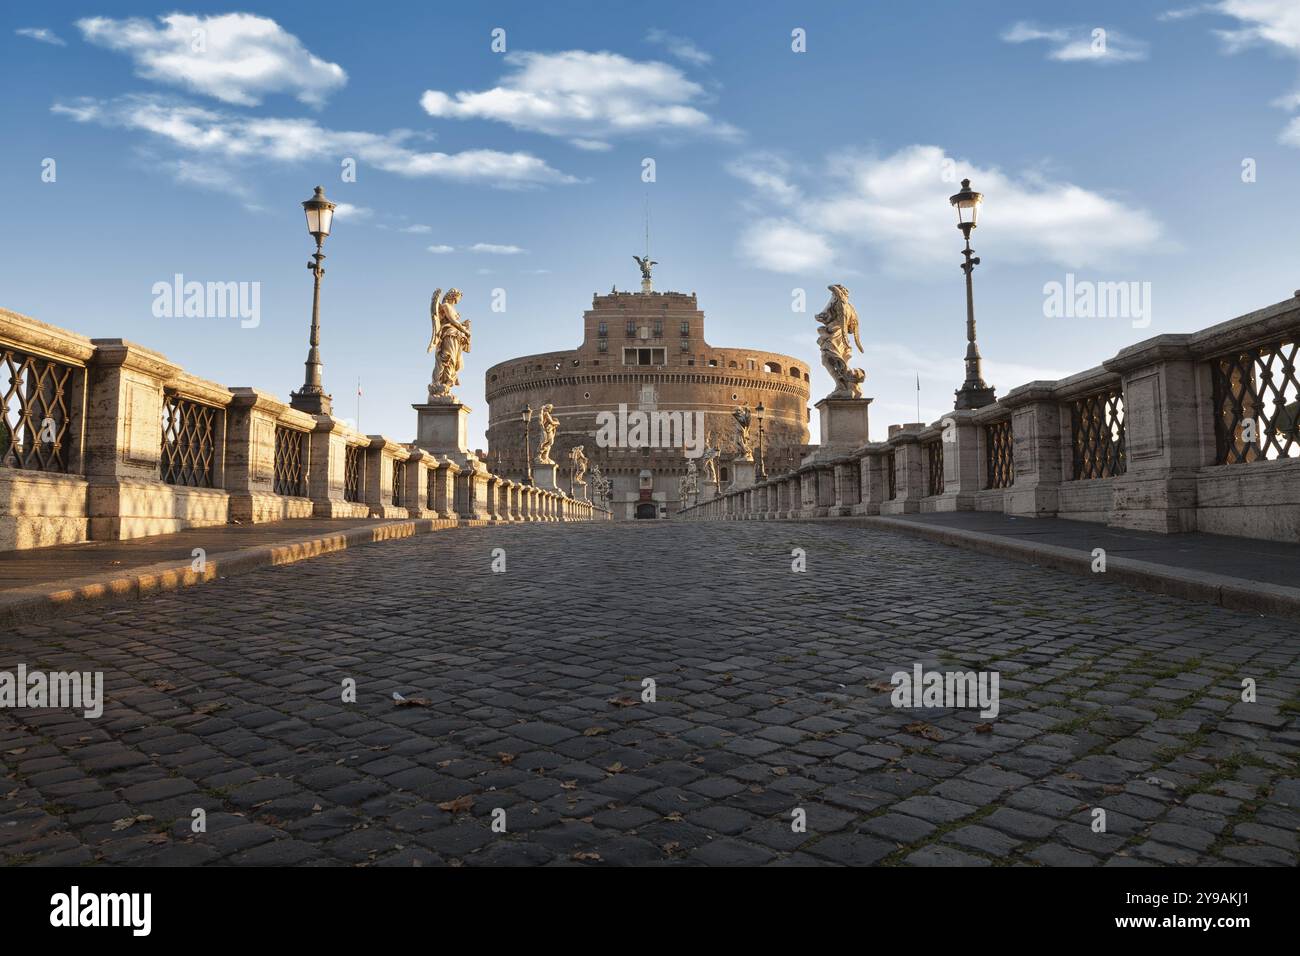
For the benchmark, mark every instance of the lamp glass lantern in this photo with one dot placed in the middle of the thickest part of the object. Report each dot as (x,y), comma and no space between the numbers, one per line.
(967,203)
(320,214)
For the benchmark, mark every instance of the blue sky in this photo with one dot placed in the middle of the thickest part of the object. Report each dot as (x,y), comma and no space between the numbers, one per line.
(521,171)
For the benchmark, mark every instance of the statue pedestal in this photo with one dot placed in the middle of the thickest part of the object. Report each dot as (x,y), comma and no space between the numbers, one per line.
(546,477)
(707,492)
(443,428)
(742,474)
(844,423)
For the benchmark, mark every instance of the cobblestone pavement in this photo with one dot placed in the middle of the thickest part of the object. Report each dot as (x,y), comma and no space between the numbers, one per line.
(772,695)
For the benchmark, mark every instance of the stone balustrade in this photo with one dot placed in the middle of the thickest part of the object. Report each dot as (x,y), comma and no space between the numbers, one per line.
(1180,432)
(103,439)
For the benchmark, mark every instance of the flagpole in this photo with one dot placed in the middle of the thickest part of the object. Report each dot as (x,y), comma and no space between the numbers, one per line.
(918,396)
(358,403)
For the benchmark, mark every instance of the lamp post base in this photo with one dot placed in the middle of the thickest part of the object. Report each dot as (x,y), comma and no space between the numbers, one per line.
(313,403)
(969,397)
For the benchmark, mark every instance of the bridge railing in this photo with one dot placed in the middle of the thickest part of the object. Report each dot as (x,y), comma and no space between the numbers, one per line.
(103,439)
(1179,432)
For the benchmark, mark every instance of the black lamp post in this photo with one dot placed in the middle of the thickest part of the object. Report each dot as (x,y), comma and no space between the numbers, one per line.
(311,398)
(974,393)
(762,472)
(526,416)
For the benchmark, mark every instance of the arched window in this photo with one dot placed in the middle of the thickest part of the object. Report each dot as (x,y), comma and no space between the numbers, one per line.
(794,372)
(772,367)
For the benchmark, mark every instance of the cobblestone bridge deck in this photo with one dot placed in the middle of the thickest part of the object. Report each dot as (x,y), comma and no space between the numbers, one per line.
(772,695)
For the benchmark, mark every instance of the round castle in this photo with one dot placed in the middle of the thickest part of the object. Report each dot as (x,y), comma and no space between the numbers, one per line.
(646,352)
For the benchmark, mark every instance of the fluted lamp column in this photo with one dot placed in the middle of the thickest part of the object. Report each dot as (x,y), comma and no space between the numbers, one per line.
(974,393)
(311,398)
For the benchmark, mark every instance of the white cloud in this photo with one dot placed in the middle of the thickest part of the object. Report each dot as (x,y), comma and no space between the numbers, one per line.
(587,98)
(441,250)
(769,174)
(780,245)
(220,135)
(1079,44)
(493,249)
(680,47)
(897,207)
(1264,23)
(417,228)
(345,210)
(234,57)
(41,35)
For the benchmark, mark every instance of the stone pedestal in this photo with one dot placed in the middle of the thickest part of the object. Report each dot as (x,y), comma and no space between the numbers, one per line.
(546,477)
(843,423)
(742,474)
(443,428)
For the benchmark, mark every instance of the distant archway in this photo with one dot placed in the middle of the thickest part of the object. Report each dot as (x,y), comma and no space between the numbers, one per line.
(646,509)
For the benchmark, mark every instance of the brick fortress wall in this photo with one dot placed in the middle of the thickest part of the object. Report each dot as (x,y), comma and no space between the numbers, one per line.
(647,351)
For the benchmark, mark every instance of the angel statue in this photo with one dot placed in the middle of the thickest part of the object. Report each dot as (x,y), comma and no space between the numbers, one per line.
(579,459)
(689,484)
(709,461)
(744,449)
(600,485)
(837,322)
(451,339)
(549,425)
(646,265)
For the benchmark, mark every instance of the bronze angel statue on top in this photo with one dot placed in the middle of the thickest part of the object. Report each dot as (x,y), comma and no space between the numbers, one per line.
(836,324)
(646,265)
(450,338)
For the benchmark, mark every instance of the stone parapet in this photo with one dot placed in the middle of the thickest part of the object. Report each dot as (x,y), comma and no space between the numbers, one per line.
(1179,432)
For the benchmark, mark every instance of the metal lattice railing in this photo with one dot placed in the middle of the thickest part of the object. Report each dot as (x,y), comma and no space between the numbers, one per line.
(1097,430)
(399,483)
(35,411)
(431,495)
(1257,403)
(1001,466)
(290,462)
(890,461)
(354,457)
(189,442)
(934,463)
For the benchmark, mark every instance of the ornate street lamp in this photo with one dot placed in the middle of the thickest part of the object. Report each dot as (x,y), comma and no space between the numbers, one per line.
(526,416)
(762,472)
(311,398)
(974,393)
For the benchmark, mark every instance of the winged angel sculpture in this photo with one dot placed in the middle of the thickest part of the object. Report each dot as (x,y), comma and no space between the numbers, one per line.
(450,338)
(835,324)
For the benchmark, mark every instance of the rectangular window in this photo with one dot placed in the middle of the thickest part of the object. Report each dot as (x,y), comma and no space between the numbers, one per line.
(602,329)
(631,328)
(602,345)
(686,346)
(686,328)
(659,328)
